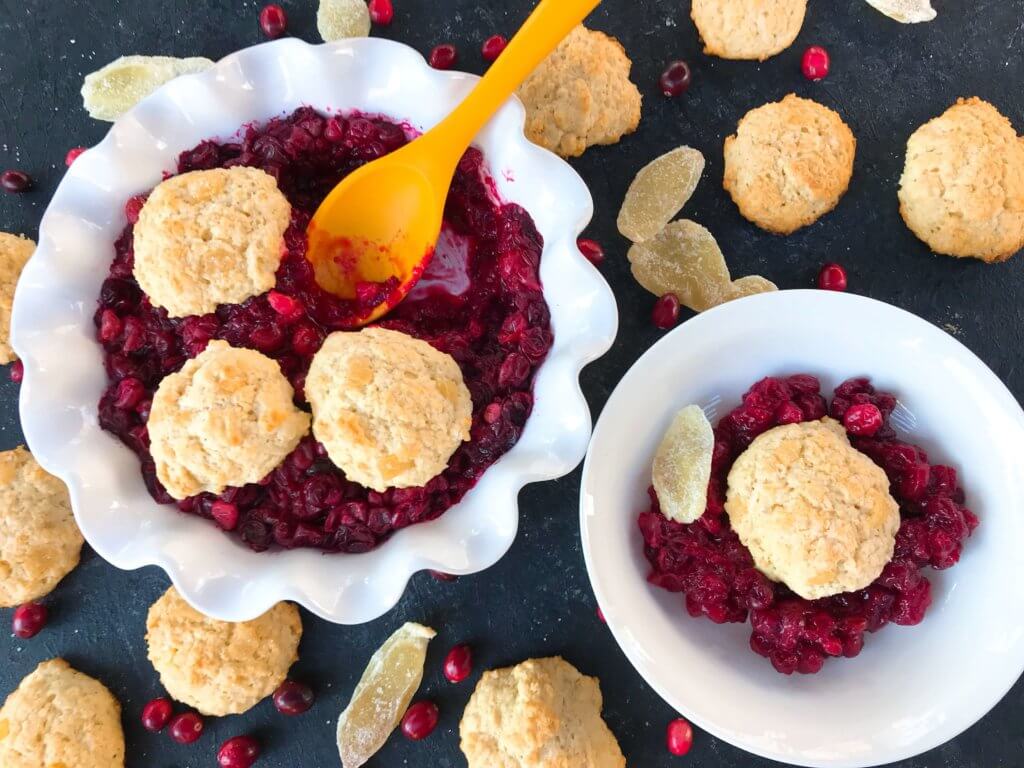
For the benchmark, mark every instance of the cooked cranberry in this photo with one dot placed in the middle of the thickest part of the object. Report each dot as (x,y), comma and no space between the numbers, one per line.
(679,737)
(156,714)
(286,306)
(17,371)
(273,21)
(29,620)
(832,277)
(293,698)
(458,663)
(493,47)
(225,513)
(186,728)
(420,720)
(666,312)
(15,181)
(382,12)
(675,79)
(815,63)
(73,154)
(443,56)
(239,752)
(133,207)
(863,420)
(591,250)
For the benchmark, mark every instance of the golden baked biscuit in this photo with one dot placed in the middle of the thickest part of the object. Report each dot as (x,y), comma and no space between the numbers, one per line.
(389,409)
(789,163)
(60,718)
(581,95)
(962,190)
(540,714)
(815,513)
(220,667)
(226,418)
(39,540)
(210,237)
(748,29)
(14,254)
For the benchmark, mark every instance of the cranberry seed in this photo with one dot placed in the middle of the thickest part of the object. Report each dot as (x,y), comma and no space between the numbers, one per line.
(458,664)
(832,277)
(679,737)
(293,698)
(420,720)
(187,728)
(15,181)
(493,47)
(591,250)
(273,21)
(676,79)
(666,312)
(29,620)
(382,12)
(239,752)
(156,714)
(443,56)
(815,63)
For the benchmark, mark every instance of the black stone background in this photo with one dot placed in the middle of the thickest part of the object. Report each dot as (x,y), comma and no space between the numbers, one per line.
(886,80)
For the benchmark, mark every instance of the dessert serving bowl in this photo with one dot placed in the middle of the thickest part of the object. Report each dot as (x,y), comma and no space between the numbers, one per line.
(911,688)
(53,332)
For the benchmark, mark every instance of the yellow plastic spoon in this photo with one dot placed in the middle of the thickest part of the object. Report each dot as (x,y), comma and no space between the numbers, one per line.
(383,220)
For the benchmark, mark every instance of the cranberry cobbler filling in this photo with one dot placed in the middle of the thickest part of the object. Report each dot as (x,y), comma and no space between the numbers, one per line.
(480,300)
(707,563)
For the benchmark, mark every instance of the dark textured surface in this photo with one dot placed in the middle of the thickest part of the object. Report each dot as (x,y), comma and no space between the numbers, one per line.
(886,80)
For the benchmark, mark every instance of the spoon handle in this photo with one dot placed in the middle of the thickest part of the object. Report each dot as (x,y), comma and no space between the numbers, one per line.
(549,24)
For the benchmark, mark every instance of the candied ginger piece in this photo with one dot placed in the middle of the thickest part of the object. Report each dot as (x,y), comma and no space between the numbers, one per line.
(906,11)
(683,259)
(682,466)
(339,19)
(383,694)
(111,91)
(749,286)
(659,191)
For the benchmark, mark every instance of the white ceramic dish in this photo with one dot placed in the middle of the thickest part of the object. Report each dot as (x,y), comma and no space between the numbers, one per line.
(912,688)
(56,297)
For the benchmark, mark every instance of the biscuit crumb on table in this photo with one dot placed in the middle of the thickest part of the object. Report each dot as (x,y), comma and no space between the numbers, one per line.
(748,29)
(581,95)
(14,254)
(39,540)
(962,190)
(220,667)
(61,717)
(789,163)
(212,237)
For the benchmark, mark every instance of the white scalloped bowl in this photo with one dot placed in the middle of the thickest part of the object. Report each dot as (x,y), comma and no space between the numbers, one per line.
(53,333)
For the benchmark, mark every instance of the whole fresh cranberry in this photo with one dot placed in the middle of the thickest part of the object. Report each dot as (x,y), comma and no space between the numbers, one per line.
(239,752)
(863,420)
(443,56)
(273,21)
(832,277)
(815,63)
(420,720)
(666,312)
(382,12)
(187,728)
(675,79)
(458,663)
(15,181)
(29,620)
(600,615)
(17,371)
(493,47)
(156,714)
(679,737)
(72,155)
(293,698)
(591,250)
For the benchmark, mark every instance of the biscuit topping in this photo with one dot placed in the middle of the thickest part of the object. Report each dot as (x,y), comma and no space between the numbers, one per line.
(814,512)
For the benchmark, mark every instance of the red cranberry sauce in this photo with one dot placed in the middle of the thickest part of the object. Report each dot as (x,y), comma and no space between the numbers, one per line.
(706,561)
(480,300)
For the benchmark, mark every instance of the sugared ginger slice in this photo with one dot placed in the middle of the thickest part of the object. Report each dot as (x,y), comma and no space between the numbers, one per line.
(682,466)
(659,191)
(749,286)
(383,693)
(683,259)
(110,92)
(905,11)
(340,19)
